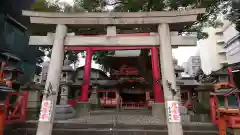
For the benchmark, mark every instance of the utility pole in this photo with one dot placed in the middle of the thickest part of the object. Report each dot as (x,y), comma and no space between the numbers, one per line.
(171,93)
(46,118)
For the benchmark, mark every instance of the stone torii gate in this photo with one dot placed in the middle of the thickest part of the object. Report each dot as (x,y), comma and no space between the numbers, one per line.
(161,22)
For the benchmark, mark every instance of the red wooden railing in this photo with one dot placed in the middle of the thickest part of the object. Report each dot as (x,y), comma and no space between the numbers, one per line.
(16,112)
(224,117)
(104,101)
(134,105)
(108,102)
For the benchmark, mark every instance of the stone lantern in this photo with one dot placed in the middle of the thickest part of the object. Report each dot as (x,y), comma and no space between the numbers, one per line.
(66,80)
(64,110)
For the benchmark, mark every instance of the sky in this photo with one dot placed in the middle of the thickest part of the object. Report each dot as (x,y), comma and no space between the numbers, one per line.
(182,54)
(68,1)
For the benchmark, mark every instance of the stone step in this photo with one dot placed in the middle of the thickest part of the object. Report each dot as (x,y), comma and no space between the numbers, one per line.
(122,112)
(67,128)
(76,125)
(108,132)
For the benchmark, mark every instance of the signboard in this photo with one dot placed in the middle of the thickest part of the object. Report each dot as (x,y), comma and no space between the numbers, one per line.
(46,109)
(173,111)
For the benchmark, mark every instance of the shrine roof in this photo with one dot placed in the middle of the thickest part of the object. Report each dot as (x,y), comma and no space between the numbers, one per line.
(235,67)
(92,70)
(177,20)
(116,62)
(10,56)
(206,87)
(219,72)
(11,68)
(187,82)
(179,69)
(225,92)
(31,86)
(67,68)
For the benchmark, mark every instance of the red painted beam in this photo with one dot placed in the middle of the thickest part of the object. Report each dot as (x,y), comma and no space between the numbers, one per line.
(106,48)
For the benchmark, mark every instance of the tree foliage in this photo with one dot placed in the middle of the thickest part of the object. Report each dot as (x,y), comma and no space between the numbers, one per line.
(210,19)
(234,14)
(42,5)
(214,8)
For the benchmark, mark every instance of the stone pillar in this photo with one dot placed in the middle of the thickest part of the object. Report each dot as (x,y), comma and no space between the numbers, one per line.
(82,109)
(168,75)
(236,131)
(53,78)
(158,93)
(64,94)
(64,110)
(158,111)
(34,104)
(93,100)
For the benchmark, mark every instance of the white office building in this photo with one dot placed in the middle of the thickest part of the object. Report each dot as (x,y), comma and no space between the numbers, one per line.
(212,53)
(192,65)
(220,48)
(232,43)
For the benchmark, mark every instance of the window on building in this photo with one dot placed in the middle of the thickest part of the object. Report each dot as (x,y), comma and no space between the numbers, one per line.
(196,61)
(195,68)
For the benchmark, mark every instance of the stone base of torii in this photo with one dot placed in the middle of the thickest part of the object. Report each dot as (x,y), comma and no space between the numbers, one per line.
(162,21)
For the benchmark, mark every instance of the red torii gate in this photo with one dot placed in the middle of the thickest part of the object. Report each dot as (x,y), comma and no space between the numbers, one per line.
(158,92)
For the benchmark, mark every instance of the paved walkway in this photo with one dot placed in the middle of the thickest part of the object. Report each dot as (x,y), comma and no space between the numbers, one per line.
(121,119)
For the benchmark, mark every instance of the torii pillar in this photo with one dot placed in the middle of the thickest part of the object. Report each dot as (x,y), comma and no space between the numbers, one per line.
(158,92)
(168,76)
(52,84)
(83,106)
(86,76)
